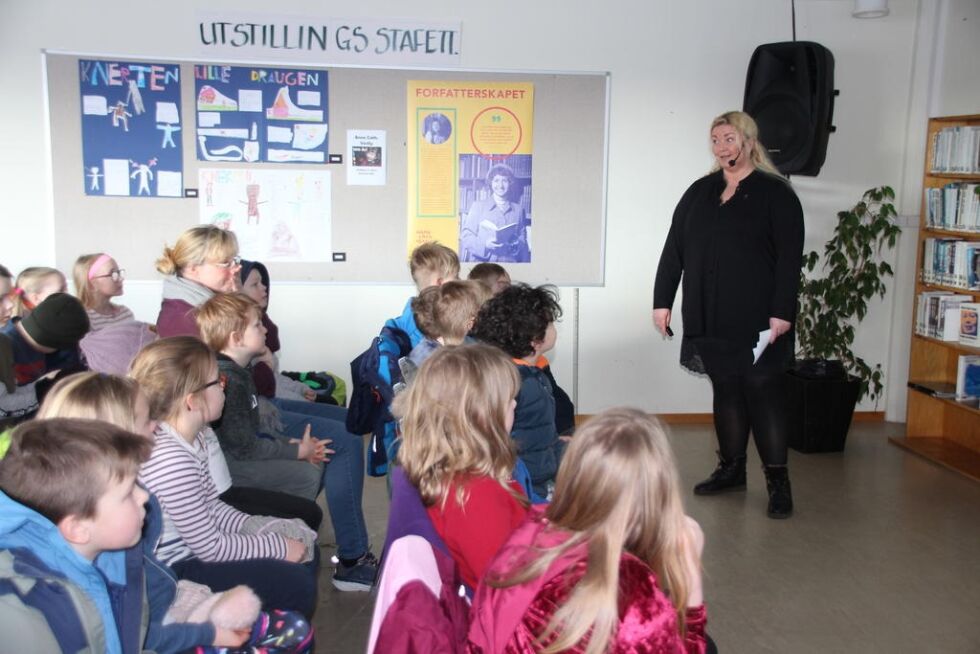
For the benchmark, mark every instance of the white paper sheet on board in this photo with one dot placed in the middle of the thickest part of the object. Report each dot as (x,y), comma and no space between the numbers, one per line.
(308,97)
(208,118)
(277,215)
(307,137)
(279,134)
(249,100)
(94,105)
(169,183)
(366,157)
(167,112)
(116,176)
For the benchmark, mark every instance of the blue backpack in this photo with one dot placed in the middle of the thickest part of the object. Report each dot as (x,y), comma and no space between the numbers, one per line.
(374,374)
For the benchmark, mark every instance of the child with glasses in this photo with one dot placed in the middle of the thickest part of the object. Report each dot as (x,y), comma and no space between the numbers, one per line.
(202,262)
(115,336)
(205,540)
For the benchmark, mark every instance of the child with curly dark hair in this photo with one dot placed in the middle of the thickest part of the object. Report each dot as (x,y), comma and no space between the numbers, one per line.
(521,322)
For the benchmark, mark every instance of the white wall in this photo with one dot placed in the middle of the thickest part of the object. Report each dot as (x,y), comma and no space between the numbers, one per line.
(674,66)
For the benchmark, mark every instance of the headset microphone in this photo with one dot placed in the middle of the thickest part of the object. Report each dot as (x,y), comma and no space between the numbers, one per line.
(731,162)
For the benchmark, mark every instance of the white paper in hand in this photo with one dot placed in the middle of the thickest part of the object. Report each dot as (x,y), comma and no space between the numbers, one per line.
(761,346)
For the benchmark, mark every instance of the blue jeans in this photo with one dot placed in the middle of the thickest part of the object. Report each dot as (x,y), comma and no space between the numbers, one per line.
(343,476)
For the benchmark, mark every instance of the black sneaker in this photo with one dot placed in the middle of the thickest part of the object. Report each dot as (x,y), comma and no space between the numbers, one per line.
(358,577)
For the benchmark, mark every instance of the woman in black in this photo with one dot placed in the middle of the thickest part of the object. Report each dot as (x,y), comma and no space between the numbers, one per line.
(736,239)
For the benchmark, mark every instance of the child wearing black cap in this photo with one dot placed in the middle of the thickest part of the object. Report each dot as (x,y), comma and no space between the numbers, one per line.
(55,325)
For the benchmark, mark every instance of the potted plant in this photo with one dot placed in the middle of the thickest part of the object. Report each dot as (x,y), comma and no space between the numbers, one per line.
(829,378)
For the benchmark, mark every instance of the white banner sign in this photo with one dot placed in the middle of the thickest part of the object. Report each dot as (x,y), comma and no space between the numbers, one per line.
(265,37)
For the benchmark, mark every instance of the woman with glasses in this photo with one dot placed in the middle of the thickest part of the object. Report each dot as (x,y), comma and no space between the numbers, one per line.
(115,336)
(202,262)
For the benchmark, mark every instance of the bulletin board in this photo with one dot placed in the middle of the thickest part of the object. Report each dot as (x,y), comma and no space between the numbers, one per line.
(367,223)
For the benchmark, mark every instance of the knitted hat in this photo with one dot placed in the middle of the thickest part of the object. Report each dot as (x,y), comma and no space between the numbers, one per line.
(58,322)
(249,266)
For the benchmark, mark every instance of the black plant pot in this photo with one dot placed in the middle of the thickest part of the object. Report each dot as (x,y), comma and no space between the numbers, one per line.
(822,401)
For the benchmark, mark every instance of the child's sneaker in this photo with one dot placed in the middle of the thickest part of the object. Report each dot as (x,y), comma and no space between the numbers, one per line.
(358,577)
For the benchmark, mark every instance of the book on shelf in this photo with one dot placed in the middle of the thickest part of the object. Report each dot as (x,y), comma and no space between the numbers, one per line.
(956,150)
(954,207)
(951,262)
(945,390)
(969,317)
(940,315)
(968,377)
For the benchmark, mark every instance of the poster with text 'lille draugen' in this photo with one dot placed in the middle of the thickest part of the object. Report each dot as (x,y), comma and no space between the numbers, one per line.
(272,115)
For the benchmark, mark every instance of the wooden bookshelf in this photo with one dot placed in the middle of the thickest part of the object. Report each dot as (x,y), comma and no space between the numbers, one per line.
(940,429)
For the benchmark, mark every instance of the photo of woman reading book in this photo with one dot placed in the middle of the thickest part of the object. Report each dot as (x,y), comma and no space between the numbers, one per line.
(495,228)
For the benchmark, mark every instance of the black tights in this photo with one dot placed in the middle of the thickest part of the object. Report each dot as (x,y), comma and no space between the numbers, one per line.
(756,402)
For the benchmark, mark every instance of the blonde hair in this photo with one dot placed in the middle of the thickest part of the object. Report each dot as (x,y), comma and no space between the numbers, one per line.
(749,131)
(453,420)
(422,310)
(433,259)
(223,315)
(79,274)
(94,396)
(455,309)
(617,490)
(170,369)
(31,280)
(197,245)
(488,273)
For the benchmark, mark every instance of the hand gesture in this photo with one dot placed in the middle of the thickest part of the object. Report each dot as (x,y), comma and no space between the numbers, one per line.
(295,550)
(233,638)
(778,327)
(661,320)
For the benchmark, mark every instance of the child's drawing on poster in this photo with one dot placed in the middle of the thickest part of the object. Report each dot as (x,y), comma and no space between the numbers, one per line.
(277,215)
(130,112)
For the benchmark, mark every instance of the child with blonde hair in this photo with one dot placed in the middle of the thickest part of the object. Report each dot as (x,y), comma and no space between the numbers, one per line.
(202,262)
(445,315)
(182,615)
(492,275)
(115,336)
(34,285)
(431,264)
(612,564)
(280,459)
(205,540)
(457,451)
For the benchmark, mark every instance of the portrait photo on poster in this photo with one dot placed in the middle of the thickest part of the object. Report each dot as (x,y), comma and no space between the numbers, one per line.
(495,208)
(436,128)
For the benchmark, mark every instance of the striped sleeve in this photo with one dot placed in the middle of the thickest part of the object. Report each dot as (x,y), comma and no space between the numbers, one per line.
(189,499)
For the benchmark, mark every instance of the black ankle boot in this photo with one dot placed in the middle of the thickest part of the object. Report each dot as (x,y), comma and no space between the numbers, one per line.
(728,476)
(780,494)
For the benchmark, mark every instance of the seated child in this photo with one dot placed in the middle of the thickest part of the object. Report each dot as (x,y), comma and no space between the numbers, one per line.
(181,615)
(115,336)
(521,322)
(34,285)
(69,494)
(612,565)
(445,314)
(55,325)
(456,449)
(491,275)
(431,264)
(204,540)
(231,324)
(265,371)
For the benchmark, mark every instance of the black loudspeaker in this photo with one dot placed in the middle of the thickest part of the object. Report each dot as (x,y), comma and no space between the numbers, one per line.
(789,91)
